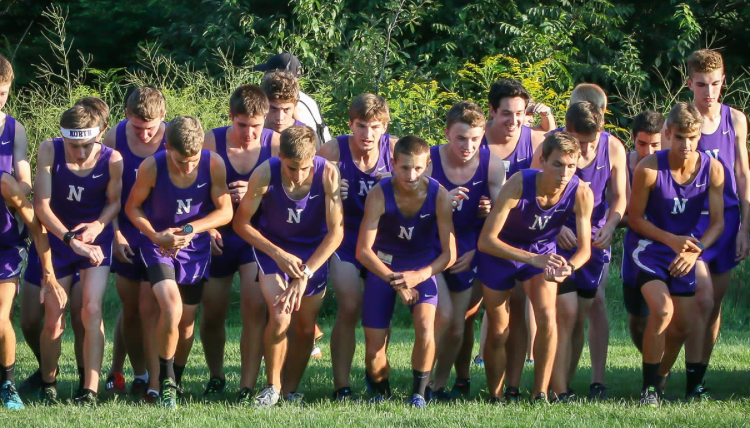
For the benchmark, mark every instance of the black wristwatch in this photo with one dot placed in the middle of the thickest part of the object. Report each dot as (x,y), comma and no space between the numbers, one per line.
(700,245)
(572,266)
(68,236)
(187,229)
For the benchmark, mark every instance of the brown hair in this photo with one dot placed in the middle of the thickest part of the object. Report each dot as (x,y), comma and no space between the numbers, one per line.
(410,145)
(584,118)
(249,100)
(87,112)
(649,122)
(281,86)
(6,71)
(590,92)
(185,135)
(704,61)
(562,141)
(369,107)
(297,143)
(685,117)
(465,112)
(146,103)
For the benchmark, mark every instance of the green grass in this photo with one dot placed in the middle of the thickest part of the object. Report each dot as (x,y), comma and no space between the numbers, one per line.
(728,377)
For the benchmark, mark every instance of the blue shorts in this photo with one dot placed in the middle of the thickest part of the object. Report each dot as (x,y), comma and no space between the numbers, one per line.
(720,256)
(588,277)
(11,261)
(501,274)
(315,285)
(380,300)
(190,267)
(347,251)
(235,253)
(65,261)
(653,260)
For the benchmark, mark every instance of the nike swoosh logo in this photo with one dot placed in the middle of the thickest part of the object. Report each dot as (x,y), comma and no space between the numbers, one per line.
(201,185)
(424,215)
(314,196)
(5,142)
(96,176)
(600,166)
(476,182)
(725,132)
(700,185)
(381,168)
(429,295)
(520,159)
(559,211)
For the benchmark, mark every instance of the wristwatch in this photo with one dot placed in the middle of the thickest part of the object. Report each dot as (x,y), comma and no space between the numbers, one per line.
(700,245)
(68,236)
(306,270)
(572,266)
(187,229)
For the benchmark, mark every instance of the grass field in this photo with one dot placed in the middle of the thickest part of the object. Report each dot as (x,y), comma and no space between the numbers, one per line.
(728,377)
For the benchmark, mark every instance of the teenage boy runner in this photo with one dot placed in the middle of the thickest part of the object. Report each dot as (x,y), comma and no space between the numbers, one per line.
(76,196)
(686,180)
(517,245)
(402,213)
(243,146)
(362,158)
(178,196)
(300,226)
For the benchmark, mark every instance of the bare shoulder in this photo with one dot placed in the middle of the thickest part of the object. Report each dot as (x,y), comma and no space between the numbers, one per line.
(716,168)
(46,149)
(648,163)
(616,147)
(330,150)
(110,138)
(20,129)
(738,119)
(209,140)
(331,172)
(216,161)
(584,192)
(115,157)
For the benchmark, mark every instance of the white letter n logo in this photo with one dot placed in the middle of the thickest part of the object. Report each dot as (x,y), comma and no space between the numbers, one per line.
(183,207)
(294,216)
(679,208)
(75,194)
(406,234)
(540,222)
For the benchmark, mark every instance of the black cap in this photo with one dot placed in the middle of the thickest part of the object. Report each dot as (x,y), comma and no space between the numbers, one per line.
(282,62)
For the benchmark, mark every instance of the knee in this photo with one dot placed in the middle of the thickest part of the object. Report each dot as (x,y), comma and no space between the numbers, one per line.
(348,309)
(455,333)
(172,314)
(443,321)
(373,353)
(91,315)
(497,338)
(424,332)
(54,326)
(278,323)
(546,320)
(705,303)
(304,331)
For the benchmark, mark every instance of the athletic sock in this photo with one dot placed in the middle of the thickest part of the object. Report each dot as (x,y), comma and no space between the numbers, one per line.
(702,369)
(178,371)
(661,384)
(166,369)
(421,379)
(149,391)
(81,377)
(143,377)
(650,374)
(9,374)
(383,387)
(693,374)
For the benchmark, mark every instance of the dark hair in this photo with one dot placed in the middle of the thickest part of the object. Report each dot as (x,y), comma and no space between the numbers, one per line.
(465,112)
(562,141)
(249,100)
(584,118)
(410,145)
(281,86)
(507,88)
(649,122)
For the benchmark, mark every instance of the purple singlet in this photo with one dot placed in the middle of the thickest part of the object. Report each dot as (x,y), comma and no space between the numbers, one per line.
(521,156)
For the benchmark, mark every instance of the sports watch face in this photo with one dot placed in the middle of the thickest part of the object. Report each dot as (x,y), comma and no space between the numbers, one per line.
(188,228)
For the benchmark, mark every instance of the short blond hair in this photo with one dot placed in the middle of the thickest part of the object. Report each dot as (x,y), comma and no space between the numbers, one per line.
(6,71)
(369,107)
(562,141)
(685,117)
(590,92)
(298,143)
(146,103)
(466,112)
(185,135)
(281,86)
(704,61)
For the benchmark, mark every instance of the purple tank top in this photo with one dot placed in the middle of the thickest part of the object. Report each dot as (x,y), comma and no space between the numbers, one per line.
(170,206)
(720,145)
(522,155)
(298,123)
(528,222)
(675,207)
(7,141)
(130,164)
(465,214)
(220,134)
(286,221)
(360,183)
(12,230)
(401,237)
(597,176)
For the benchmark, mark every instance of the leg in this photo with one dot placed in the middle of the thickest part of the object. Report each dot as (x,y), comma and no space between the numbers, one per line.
(498,319)
(463,360)
(186,329)
(302,344)
(599,330)
(93,284)
(542,295)
(167,329)
(130,326)
(32,318)
(7,334)
(720,285)
(531,321)
(661,310)
(54,325)
(376,361)
(567,312)
(79,331)
(677,332)
(214,308)
(448,351)
(517,337)
(119,349)
(275,339)
(423,353)
(704,300)
(578,336)
(483,336)
(254,315)
(348,289)
(150,314)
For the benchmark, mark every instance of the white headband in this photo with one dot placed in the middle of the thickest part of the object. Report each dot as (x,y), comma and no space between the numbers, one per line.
(80,134)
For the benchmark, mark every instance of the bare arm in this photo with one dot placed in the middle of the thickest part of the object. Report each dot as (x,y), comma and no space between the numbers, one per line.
(330,151)
(334,219)
(742,175)
(275,141)
(583,207)
(21,166)
(144,182)
(368,231)
(496,176)
(447,257)
(222,214)
(715,205)
(43,190)
(618,201)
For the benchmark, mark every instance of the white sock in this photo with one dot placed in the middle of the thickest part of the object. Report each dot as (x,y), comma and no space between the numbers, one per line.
(152,390)
(143,377)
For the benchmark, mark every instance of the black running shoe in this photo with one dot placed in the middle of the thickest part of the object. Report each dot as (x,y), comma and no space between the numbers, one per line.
(245,397)
(461,389)
(700,393)
(441,395)
(31,384)
(86,398)
(541,399)
(649,397)
(138,387)
(343,394)
(48,395)
(597,391)
(512,395)
(214,387)
(564,398)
